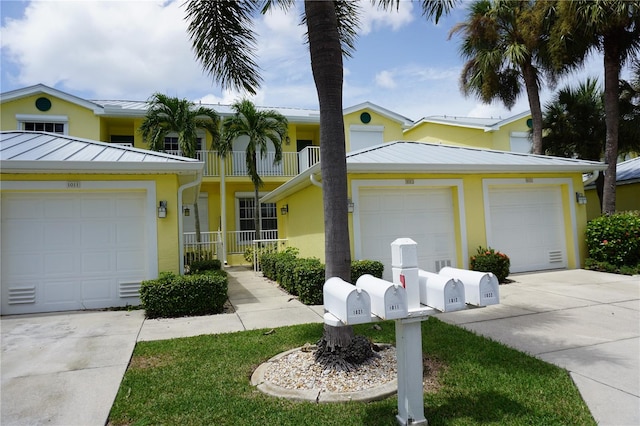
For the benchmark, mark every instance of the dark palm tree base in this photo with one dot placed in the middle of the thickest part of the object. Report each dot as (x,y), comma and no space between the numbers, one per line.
(346,358)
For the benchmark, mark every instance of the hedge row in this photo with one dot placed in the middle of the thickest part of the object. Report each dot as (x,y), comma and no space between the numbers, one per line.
(173,295)
(305,277)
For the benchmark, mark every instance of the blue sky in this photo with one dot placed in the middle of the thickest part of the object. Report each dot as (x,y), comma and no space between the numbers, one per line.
(127,50)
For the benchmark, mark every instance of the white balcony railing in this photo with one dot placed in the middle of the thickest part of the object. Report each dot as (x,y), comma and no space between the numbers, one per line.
(209,247)
(239,241)
(236,164)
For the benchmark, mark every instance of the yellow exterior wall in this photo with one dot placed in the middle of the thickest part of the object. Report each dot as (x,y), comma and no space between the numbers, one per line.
(450,135)
(303,226)
(166,189)
(501,138)
(627,199)
(392,129)
(83,123)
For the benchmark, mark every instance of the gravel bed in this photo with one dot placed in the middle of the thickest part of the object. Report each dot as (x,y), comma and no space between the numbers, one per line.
(299,371)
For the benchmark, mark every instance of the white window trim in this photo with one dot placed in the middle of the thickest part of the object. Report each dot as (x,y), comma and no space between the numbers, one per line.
(41,118)
(363,128)
(251,195)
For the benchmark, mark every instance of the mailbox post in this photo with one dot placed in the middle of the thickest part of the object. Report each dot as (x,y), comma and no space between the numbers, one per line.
(372,299)
(404,263)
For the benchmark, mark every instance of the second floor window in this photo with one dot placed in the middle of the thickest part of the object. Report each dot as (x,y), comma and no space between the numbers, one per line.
(38,126)
(171,144)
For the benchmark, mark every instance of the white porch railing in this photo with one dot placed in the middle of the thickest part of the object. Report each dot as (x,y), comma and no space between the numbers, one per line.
(239,241)
(266,245)
(236,165)
(209,247)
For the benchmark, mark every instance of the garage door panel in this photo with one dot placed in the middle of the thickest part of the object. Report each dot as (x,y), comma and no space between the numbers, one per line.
(96,208)
(422,214)
(528,225)
(58,234)
(59,263)
(72,251)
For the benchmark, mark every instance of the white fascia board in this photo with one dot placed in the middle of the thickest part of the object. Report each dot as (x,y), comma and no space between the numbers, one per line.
(41,88)
(152,167)
(506,121)
(299,182)
(469,168)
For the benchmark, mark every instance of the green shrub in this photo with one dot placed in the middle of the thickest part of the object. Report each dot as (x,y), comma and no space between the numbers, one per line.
(361,267)
(308,279)
(174,295)
(204,265)
(615,239)
(490,260)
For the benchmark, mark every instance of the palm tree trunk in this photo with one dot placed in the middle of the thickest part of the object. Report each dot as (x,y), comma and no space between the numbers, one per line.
(533,93)
(612,120)
(256,211)
(326,64)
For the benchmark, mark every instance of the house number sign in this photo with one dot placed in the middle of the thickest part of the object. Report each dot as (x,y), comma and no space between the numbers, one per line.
(73,184)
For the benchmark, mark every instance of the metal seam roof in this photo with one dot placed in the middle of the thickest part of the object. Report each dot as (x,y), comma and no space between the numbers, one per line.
(401,155)
(47,151)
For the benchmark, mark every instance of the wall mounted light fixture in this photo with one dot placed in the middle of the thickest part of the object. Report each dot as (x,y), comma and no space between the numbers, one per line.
(186,211)
(350,205)
(581,198)
(284,209)
(162,209)
(287,140)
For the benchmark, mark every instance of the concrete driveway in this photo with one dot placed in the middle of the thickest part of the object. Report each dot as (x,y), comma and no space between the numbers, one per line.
(584,321)
(66,368)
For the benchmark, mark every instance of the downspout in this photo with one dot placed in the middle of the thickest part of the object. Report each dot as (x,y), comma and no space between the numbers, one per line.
(314,181)
(181,189)
(592,179)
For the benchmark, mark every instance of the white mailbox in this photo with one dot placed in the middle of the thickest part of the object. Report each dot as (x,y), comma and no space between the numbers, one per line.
(349,304)
(442,293)
(388,300)
(481,288)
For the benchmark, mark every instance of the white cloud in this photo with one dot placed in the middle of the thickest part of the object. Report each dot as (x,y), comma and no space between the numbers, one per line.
(110,49)
(385,80)
(373,18)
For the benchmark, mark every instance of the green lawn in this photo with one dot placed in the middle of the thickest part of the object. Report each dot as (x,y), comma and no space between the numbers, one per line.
(205,381)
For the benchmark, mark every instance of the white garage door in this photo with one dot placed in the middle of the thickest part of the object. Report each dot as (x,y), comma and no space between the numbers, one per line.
(527,224)
(67,251)
(422,214)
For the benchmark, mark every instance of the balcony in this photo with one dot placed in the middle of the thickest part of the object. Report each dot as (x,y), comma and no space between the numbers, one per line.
(235,164)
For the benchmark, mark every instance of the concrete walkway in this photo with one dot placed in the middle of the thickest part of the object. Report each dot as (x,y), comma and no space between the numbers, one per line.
(586,322)
(65,369)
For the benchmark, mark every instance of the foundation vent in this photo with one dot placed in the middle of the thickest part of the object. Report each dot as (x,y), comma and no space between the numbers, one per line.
(131,289)
(22,295)
(555,256)
(442,263)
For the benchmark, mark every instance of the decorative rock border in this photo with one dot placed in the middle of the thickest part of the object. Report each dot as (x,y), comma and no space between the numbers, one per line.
(372,394)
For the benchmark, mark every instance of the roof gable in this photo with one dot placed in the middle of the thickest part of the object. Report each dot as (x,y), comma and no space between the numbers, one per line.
(46,90)
(406,122)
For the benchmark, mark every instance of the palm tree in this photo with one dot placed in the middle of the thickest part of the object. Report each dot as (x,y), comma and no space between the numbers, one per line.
(613,28)
(261,127)
(173,115)
(503,46)
(573,125)
(224,40)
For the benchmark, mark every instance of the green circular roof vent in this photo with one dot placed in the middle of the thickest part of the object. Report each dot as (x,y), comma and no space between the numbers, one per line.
(365,117)
(43,104)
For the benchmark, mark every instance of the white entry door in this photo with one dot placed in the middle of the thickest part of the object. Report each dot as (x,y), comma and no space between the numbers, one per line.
(67,251)
(527,224)
(423,214)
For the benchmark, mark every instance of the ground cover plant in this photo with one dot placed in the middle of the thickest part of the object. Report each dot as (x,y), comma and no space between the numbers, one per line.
(204,380)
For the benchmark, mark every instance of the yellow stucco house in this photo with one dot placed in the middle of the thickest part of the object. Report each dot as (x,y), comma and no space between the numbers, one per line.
(456,189)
